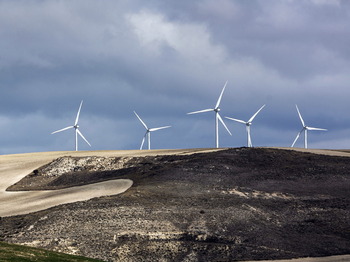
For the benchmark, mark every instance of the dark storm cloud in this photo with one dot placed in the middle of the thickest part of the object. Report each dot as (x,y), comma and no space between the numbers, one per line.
(289,36)
(166,58)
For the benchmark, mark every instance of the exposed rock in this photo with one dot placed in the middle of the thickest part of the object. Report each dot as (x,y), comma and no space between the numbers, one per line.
(238,204)
(54,174)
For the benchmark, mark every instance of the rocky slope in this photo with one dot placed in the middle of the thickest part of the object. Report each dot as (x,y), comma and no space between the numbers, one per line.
(237,204)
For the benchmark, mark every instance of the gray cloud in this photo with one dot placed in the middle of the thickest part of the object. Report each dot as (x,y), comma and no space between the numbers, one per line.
(166,58)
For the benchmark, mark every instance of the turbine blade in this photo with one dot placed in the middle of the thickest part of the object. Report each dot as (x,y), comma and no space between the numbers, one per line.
(223,123)
(237,120)
(252,118)
(301,118)
(143,140)
(295,140)
(77,118)
(219,100)
(143,123)
(316,128)
(83,137)
(201,111)
(68,127)
(158,128)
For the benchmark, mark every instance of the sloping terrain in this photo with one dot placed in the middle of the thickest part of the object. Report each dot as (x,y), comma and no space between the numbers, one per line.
(235,204)
(12,252)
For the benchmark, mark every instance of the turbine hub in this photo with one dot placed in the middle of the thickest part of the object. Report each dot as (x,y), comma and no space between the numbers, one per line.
(217,109)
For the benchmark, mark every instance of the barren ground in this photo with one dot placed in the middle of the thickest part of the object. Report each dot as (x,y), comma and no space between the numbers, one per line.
(226,205)
(13,168)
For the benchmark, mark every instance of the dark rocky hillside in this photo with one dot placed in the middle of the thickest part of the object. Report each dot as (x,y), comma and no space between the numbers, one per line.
(235,204)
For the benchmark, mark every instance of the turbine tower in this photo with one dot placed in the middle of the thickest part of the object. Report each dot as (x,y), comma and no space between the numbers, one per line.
(218,118)
(248,124)
(148,132)
(76,128)
(305,129)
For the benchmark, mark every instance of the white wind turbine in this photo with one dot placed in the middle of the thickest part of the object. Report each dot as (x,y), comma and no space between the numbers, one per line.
(248,124)
(305,129)
(76,127)
(148,132)
(218,118)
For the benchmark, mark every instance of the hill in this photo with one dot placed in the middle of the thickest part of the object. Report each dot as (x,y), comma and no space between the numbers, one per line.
(226,205)
(11,252)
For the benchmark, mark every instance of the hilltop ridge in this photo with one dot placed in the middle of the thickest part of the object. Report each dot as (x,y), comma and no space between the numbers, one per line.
(233,204)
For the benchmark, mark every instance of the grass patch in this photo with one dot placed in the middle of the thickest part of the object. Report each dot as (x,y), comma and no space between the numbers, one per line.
(12,252)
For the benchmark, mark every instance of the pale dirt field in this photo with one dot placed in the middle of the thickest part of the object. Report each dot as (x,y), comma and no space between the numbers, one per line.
(15,167)
(327,152)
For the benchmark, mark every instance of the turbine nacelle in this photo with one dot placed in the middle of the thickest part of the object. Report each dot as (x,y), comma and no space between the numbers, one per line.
(76,128)
(247,124)
(217,116)
(305,129)
(148,131)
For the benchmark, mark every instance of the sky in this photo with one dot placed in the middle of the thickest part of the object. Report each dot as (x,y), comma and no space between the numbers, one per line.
(165,58)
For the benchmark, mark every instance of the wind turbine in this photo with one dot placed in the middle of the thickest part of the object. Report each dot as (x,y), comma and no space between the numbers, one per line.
(148,132)
(248,124)
(218,118)
(76,128)
(305,129)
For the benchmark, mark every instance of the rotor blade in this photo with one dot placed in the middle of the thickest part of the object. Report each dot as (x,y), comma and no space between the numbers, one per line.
(301,119)
(237,120)
(143,123)
(201,111)
(223,123)
(143,140)
(158,128)
(83,137)
(219,100)
(252,118)
(295,140)
(316,128)
(77,118)
(62,129)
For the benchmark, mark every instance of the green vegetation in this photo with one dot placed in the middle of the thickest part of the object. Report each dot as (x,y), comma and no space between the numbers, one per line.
(11,252)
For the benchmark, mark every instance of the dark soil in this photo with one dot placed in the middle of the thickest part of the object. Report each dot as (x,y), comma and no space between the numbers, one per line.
(236,204)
